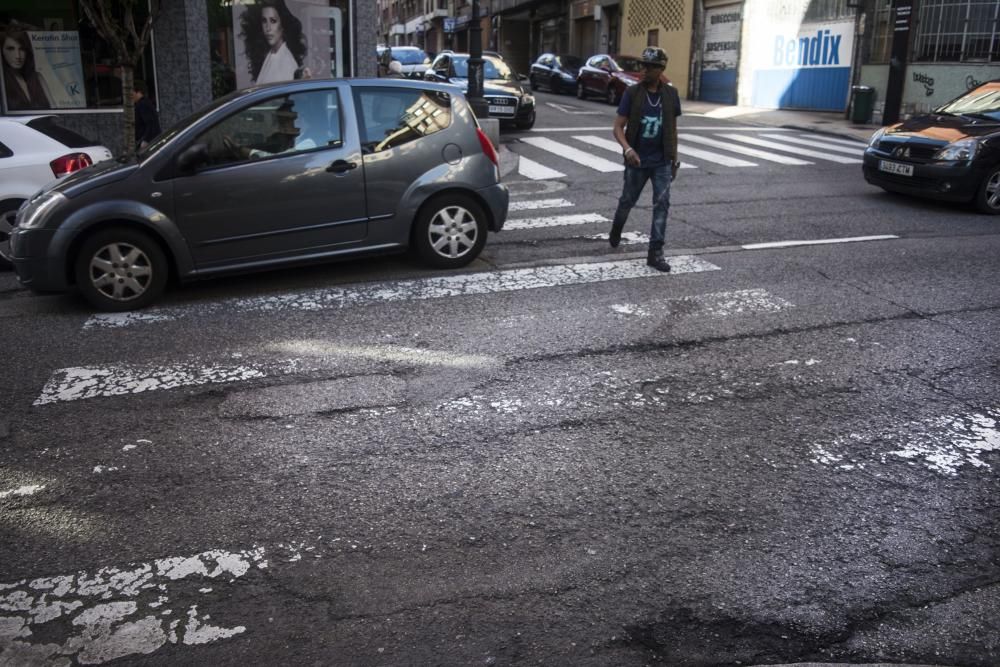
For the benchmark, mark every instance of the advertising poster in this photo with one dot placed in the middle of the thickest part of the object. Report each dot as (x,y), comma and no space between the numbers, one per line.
(282,40)
(59,64)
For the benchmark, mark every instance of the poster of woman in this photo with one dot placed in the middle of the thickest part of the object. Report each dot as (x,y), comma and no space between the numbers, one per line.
(275,45)
(24,86)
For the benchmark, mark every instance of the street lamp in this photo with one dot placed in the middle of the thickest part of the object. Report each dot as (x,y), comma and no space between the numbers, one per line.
(475,90)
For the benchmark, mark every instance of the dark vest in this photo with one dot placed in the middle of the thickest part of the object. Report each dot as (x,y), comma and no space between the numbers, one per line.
(668,97)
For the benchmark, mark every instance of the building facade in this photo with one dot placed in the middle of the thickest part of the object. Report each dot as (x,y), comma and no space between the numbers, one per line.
(200,50)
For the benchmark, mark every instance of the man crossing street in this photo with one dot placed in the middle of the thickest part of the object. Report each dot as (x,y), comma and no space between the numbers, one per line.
(646,129)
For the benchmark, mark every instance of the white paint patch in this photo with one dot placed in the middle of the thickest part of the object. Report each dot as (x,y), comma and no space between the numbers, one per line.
(536,171)
(485,282)
(573,110)
(739,302)
(535,204)
(567,152)
(103,469)
(28,490)
(109,617)
(74,384)
(630,309)
(405,355)
(127,448)
(798,150)
(943,445)
(112,320)
(628,238)
(792,244)
(554,221)
(743,150)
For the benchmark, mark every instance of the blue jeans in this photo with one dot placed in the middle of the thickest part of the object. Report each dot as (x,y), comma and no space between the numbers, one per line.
(635,181)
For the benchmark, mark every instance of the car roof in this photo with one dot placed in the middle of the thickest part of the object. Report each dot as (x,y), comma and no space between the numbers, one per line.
(24,120)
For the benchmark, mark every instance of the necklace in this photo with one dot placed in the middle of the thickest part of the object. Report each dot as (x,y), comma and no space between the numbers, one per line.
(657,103)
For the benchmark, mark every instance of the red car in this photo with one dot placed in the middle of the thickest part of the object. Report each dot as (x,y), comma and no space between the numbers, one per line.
(609,76)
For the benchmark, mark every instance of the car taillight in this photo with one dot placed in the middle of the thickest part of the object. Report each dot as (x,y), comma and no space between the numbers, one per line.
(488,149)
(67,164)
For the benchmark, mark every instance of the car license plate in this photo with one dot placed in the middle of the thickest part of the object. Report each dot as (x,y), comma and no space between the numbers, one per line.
(895,168)
(502,110)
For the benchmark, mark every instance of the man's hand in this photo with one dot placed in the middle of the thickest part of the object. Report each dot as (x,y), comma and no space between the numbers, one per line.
(631,157)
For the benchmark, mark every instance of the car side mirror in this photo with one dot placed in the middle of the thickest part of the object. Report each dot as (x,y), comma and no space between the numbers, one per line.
(192,157)
(522,77)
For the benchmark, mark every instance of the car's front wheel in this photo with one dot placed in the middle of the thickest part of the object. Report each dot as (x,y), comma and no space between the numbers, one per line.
(450,231)
(121,269)
(580,92)
(988,197)
(8,211)
(527,123)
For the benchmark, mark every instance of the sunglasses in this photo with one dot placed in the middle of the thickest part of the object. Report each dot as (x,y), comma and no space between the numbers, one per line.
(650,66)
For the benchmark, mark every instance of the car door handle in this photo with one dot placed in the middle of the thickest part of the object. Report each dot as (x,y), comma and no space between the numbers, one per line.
(341,166)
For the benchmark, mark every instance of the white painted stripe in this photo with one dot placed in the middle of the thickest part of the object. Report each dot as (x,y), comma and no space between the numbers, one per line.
(763,143)
(605,128)
(534,204)
(792,244)
(613,146)
(536,171)
(114,612)
(573,110)
(467,284)
(857,149)
(574,154)
(628,238)
(835,140)
(733,148)
(27,490)
(717,158)
(554,221)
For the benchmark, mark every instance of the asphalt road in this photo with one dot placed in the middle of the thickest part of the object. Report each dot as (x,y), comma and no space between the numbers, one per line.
(770,455)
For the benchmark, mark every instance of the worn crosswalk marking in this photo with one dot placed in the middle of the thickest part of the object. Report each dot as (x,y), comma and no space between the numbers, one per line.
(554,221)
(612,146)
(536,171)
(753,152)
(467,284)
(717,158)
(774,145)
(824,143)
(574,154)
(535,204)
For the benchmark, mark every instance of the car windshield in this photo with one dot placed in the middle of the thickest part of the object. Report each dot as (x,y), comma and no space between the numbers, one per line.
(983,101)
(493,69)
(410,56)
(47,125)
(621,64)
(179,126)
(571,62)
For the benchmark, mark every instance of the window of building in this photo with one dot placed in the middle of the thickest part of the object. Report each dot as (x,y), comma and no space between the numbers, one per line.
(277,40)
(957,30)
(392,117)
(653,37)
(53,59)
(881,30)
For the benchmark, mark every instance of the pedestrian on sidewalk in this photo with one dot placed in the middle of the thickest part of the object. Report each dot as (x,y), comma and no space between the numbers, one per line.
(147,122)
(646,129)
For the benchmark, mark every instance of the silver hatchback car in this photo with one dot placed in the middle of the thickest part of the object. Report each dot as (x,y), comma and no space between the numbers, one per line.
(290,173)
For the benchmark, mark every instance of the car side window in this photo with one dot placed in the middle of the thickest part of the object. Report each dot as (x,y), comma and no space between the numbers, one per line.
(279,126)
(390,117)
(5,152)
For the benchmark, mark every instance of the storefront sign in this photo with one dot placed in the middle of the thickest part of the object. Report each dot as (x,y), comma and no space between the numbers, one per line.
(449,25)
(58,62)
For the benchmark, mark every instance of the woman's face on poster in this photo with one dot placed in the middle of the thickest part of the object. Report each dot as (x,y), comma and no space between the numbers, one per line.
(14,54)
(270,23)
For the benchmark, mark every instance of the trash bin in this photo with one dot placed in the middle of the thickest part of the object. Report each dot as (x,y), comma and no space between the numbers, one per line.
(864,101)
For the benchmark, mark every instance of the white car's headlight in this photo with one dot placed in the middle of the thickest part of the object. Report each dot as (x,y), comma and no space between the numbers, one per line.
(35,213)
(963,149)
(876,137)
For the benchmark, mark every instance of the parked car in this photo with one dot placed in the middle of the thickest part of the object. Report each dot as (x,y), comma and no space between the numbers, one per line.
(413,60)
(609,76)
(33,151)
(506,97)
(557,73)
(951,154)
(289,173)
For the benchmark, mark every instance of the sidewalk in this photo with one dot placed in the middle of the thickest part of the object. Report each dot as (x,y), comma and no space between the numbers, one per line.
(826,122)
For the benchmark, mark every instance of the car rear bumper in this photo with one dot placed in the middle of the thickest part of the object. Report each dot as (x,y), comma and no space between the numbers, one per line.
(35,269)
(497,199)
(948,181)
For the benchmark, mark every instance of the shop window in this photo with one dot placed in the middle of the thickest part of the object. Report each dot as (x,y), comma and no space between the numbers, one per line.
(277,40)
(53,59)
(957,30)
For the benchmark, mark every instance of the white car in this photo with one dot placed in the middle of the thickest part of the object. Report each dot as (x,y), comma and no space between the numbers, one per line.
(414,61)
(33,151)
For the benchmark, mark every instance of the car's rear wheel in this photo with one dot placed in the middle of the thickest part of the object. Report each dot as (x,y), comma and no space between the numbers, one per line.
(532,82)
(580,92)
(988,197)
(120,269)
(450,231)
(8,211)
(527,123)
